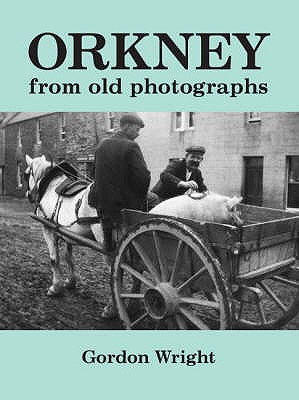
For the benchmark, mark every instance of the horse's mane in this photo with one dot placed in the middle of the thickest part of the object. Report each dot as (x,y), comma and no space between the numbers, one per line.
(40,167)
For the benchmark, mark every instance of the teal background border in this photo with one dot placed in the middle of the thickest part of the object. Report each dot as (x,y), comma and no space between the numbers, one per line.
(47,365)
(277,55)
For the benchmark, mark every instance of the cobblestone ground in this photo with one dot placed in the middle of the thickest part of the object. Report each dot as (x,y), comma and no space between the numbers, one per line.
(25,276)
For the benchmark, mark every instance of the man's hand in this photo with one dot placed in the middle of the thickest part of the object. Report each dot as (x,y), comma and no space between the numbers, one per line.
(188,185)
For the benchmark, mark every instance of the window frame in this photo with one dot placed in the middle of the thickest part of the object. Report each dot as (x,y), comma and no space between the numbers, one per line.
(253,117)
(288,182)
(62,127)
(38,138)
(191,127)
(19,175)
(185,121)
(110,121)
(19,136)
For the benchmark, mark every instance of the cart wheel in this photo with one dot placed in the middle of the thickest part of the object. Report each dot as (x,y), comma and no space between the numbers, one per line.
(269,303)
(163,277)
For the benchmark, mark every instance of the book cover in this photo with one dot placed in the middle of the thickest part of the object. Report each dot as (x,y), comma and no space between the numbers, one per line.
(214,302)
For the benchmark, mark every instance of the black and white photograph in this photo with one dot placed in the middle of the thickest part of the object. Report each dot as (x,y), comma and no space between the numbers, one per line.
(149,220)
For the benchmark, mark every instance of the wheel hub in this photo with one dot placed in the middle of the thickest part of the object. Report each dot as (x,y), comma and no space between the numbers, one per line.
(161,301)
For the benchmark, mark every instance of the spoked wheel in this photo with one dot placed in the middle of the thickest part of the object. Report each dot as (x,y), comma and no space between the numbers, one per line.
(268,303)
(163,277)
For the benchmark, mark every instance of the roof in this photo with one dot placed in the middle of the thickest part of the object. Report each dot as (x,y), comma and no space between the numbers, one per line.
(20,117)
(7,116)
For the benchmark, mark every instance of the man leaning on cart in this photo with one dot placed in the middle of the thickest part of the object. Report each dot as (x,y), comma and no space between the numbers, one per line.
(181,175)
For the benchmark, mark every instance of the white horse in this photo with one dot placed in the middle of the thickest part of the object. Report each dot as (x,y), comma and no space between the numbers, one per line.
(62,210)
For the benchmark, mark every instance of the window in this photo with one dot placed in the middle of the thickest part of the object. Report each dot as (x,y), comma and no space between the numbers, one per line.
(254,117)
(110,121)
(2,147)
(38,132)
(191,120)
(178,121)
(293,182)
(184,121)
(1,181)
(90,169)
(19,175)
(86,168)
(19,139)
(62,123)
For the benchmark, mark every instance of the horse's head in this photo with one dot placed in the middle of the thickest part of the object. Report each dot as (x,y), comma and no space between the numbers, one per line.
(36,169)
(234,216)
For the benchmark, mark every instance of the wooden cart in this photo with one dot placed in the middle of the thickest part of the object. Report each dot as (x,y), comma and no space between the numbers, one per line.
(170,273)
(180,274)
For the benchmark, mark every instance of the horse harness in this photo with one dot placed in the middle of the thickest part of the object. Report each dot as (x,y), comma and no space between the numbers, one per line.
(69,187)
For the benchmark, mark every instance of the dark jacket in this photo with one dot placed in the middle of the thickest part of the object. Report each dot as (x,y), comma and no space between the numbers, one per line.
(175,172)
(121,176)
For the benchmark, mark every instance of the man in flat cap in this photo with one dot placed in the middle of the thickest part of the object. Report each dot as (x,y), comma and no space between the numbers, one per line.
(181,175)
(121,180)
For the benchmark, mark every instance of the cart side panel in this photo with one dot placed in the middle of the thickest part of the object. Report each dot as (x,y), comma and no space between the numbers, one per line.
(254,214)
(244,253)
(220,239)
(267,247)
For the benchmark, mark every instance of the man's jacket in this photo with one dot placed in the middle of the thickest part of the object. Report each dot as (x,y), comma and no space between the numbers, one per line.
(122,177)
(175,172)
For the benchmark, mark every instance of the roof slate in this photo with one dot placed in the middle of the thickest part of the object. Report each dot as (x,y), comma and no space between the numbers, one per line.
(24,116)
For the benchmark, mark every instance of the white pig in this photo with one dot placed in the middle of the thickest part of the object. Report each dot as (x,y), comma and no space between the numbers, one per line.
(211,208)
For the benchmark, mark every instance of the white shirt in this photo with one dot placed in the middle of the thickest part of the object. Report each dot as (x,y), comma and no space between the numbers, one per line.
(188,175)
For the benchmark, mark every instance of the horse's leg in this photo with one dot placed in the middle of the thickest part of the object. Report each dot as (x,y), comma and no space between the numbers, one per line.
(70,282)
(57,283)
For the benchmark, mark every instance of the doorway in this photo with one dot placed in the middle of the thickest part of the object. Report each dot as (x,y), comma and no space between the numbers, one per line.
(253,180)
(293,182)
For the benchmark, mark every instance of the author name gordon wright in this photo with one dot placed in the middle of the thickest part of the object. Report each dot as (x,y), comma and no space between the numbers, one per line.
(157,356)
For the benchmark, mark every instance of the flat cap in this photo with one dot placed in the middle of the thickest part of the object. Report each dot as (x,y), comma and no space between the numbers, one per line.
(131,118)
(195,149)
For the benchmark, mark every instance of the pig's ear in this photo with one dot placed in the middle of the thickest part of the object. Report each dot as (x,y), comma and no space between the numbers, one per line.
(28,160)
(232,202)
